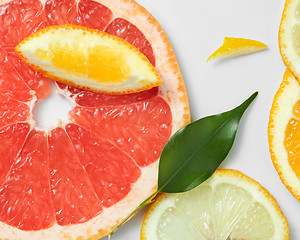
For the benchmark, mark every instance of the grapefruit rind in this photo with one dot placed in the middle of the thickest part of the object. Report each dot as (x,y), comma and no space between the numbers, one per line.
(288,20)
(143,75)
(234,177)
(281,112)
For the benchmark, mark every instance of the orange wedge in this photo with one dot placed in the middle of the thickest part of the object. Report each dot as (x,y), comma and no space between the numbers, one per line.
(88,59)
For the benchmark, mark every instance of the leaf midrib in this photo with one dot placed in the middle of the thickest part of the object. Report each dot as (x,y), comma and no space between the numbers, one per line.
(198,148)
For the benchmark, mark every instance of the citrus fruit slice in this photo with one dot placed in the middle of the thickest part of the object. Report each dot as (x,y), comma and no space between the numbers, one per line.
(229,205)
(85,180)
(88,59)
(283,132)
(233,47)
(289,36)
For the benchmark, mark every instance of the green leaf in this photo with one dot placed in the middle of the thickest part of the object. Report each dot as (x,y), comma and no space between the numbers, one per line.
(195,151)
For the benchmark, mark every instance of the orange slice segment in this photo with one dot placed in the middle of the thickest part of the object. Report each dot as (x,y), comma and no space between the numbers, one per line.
(88,59)
(233,47)
(284,133)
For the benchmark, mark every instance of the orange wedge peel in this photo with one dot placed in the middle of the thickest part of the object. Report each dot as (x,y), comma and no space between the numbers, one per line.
(89,59)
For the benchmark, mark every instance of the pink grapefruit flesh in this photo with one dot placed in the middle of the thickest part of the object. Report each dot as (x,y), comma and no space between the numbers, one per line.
(12,138)
(74,197)
(25,200)
(130,127)
(12,111)
(110,169)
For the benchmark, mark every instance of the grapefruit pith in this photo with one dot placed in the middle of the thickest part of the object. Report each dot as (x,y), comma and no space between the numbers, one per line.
(81,179)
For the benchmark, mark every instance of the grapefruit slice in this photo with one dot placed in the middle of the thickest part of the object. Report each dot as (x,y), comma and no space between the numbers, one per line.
(82,203)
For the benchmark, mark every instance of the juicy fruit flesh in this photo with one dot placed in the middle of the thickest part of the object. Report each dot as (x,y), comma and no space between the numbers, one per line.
(223,212)
(96,170)
(100,63)
(292,140)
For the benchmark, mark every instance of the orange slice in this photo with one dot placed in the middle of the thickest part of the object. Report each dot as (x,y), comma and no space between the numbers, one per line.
(284,133)
(229,205)
(233,47)
(88,59)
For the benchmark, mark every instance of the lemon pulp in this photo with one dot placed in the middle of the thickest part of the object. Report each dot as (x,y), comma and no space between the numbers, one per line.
(221,212)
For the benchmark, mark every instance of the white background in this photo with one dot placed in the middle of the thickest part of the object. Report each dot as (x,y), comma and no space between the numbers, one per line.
(196,28)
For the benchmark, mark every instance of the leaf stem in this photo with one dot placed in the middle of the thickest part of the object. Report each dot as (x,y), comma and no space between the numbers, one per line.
(143,204)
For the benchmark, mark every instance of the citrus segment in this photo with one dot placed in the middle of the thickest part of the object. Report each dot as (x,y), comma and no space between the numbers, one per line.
(110,169)
(284,132)
(291,143)
(233,47)
(12,111)
(28,13)
(11,83)
(91,99)
(12,139)
(130,33)
(60,12)
(73,195)
(227,206)
(34,79)
(93,14)
(25,198)
(131,127)
(104,63)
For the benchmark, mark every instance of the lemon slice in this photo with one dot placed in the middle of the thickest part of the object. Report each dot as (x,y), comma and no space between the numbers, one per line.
(233,47)
(289,36)
(88,59)
(228,206)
